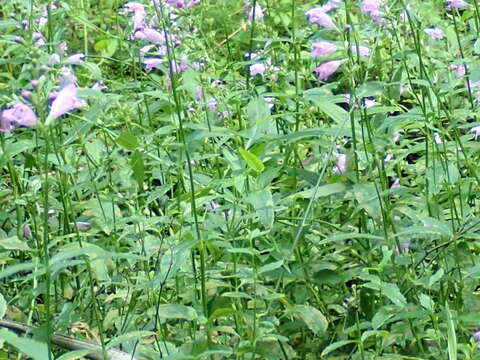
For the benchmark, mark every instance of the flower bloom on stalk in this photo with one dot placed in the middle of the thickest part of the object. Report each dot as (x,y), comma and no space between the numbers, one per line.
(150,35)
(325,70)
(360,50)
(257,69)
(318,16)
(66,101)
(212,104)
(395,184)
(341,166)
(19,114)
(183,63)
(66,77)
(193,3)
(331,5)
(457,4)
(198,93)
(460,70)
(26,94)
(476,131)
(152,63)
(437,138)
(372,8)
(75,59)
(476,336)
(39,39)
(322,48)
(435,33)
(257,11)
(99,86)
(138,13)
(369,103)
(54,58)
(62,47)
(83,225)
(145,49)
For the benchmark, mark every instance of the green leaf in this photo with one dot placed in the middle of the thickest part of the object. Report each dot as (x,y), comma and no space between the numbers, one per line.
(262,202)
(13,243)
(128,141)
(73,355)
(427,302)
(257,110)
(34,349)
(313,318)
(335,346)
(392,292)
(435,277)
(3,306)
(129,336)
(252,160)
(177,311)
(269,267)
(324,190)
(136,162)
(326,103)
(451,335)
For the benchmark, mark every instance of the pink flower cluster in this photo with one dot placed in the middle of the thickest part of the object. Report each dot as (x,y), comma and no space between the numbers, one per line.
(157,39)
(19,114)
(372,8)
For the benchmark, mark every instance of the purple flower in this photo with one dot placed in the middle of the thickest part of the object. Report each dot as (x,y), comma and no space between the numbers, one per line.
(152,35)
(212,104)
(75,59)
(193,3)
(62,47)
(257,69)
(183,63)
(341,166)
(99,86)
(476,131)
(322,48)
(460,70)
(66,77)
(152,63)
(42,21)
(368,103)
(257,11)
(54,59)
(39,39)
(395,184)
(435,33)
(325,70)
(331,5)
(369,6)
(145,49)
(457,4)
(360,50)
(476,335)
(34,82)
(372,8)
(83,225)
(138,13)
(18,115)
(66,101)
(318,16)
(26,94)
(53,95)
(27,232)
(198,93)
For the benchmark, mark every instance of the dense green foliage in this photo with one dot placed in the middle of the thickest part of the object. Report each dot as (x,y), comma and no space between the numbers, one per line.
(230,201)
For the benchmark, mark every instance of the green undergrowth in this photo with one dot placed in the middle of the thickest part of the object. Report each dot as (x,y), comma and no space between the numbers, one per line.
(215,213)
